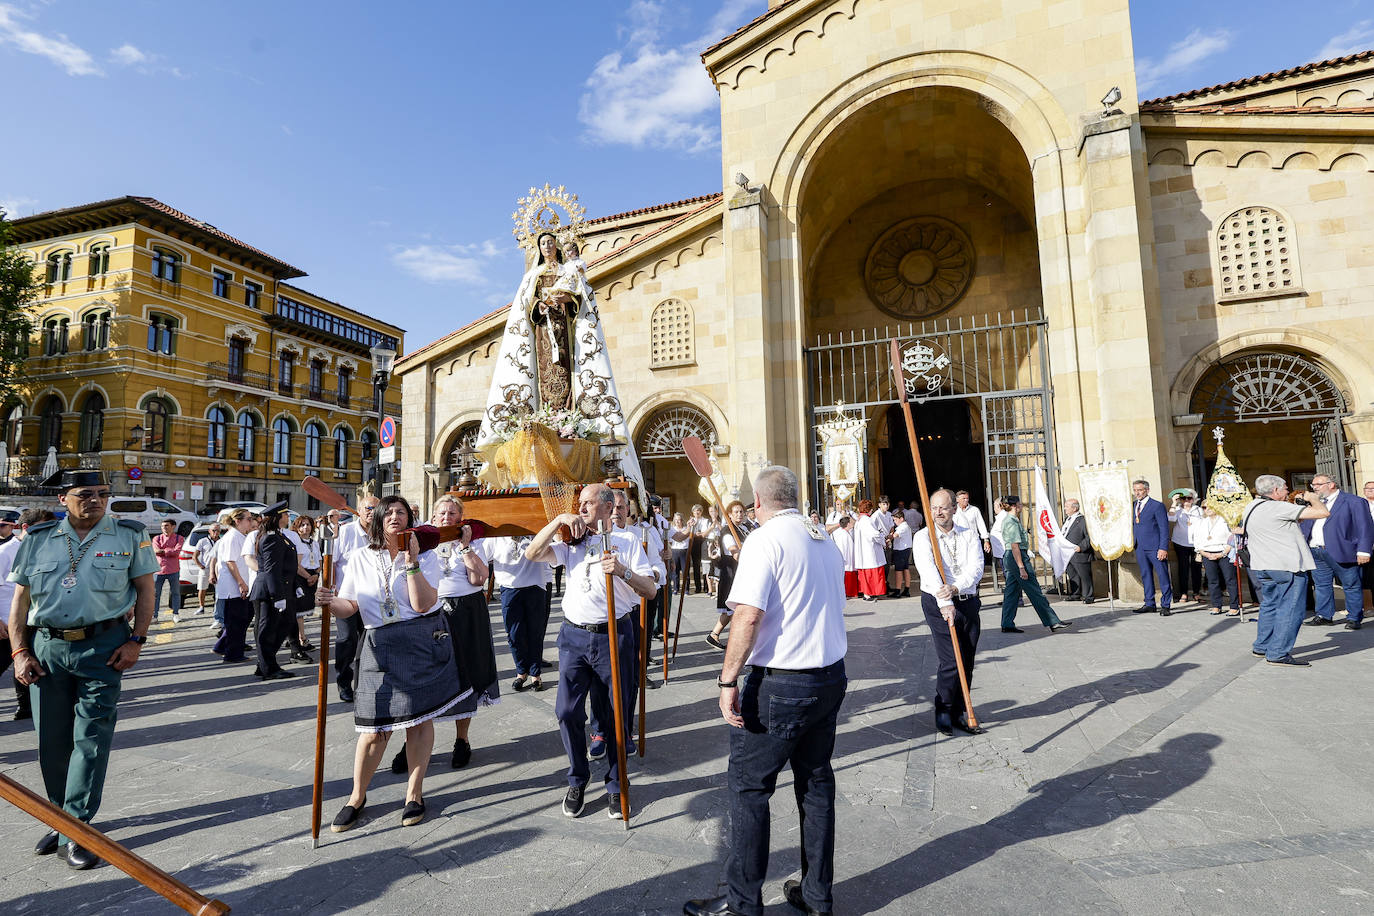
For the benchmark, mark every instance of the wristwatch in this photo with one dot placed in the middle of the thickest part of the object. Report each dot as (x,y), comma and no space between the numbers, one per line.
(628,573)
(727,685)
(138,639)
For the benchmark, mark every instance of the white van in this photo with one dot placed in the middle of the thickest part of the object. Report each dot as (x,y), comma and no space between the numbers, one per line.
(151,511)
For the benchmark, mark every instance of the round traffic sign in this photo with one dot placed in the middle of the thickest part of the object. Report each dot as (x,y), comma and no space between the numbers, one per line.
(388,432)
(135,473)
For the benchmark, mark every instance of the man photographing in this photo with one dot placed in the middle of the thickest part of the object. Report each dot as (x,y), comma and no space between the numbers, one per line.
(1281,563)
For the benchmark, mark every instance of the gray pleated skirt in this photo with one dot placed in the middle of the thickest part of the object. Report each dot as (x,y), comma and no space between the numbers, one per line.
(407,675)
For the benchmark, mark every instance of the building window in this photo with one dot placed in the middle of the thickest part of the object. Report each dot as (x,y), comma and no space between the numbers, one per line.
(59,267)
(662,435)
(221,280)
(50,425)
(342,328)
(281,441)
(286,371)
(368,440)
(248,494)
(672,335)
(162,334)
(92,433)
(313,433)
(1256,256)
(316,379)
(100,261)
(14,428)
(95,328)
(248,435)
(218,495)
(345,378)
(312,504)
(156,424)
(55,336)
(341,437)
(251,293)
(238,358)
(166,265)
(219,427)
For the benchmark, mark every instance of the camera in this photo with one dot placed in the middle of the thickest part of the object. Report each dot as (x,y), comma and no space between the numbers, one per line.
(1300,501)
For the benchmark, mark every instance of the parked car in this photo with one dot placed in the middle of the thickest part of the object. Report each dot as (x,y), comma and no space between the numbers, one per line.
(190,572)
(151,511)
(210,511)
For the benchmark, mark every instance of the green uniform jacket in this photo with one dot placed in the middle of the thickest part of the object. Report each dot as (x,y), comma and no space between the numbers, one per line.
(116,552)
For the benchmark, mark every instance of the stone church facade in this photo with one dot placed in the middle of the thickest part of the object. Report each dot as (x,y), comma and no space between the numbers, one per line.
(1102,278)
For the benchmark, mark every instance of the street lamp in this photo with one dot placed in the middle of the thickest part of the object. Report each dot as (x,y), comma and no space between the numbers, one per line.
(383,359)
(135,435)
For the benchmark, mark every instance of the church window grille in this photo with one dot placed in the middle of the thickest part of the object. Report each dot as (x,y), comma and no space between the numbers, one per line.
(672,335)
(1256,256)
(663,434)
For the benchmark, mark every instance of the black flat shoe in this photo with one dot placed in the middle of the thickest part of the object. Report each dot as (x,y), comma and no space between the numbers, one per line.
(536,684)
(81,859)
(713,906)
(302,656)
(519,683)
(399,764)
(347,818)
(1349,625)
(280,674)
(1012,630)
(944,727)
(1165,612)
(1061,625)
(714,642)
(345,694)
(1146,609)
(412,814)
(791,889)
(462,753)
(46,846)
(961,723)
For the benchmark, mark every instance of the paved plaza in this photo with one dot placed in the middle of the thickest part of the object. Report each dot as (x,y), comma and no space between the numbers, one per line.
(1132,764)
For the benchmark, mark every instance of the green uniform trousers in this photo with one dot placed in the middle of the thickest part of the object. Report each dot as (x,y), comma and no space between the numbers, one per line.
(74,712)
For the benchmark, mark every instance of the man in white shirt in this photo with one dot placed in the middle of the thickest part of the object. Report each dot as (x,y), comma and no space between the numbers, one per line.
(966,516)
(350,538)
(950,603)
(204,552)
(584,643)
(525,605)
(781,687)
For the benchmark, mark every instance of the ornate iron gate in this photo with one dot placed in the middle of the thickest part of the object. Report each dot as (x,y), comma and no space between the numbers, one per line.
(1332,456)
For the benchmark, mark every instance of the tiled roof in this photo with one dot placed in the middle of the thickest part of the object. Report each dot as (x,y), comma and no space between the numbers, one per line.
(654,209)
(744,28)
(1152,108)
(1263,78)
(711,201)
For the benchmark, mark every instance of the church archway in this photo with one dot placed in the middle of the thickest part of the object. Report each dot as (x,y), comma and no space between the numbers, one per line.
(658,443)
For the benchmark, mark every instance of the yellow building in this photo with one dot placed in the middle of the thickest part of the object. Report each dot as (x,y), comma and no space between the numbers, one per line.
(170,353)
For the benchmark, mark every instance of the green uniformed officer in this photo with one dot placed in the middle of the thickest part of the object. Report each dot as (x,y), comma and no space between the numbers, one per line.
(78,583)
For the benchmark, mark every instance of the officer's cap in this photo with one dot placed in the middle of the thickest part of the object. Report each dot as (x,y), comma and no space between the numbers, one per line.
(67,479)
(274,508)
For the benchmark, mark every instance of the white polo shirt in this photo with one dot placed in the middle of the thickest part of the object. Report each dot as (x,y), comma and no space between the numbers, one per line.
(454,572)
(351,538)
(654,551)
(961,554)
(901,538)
(229,549)
(972,517)
(506,556)
(798,583)
(364,581)
(584,586)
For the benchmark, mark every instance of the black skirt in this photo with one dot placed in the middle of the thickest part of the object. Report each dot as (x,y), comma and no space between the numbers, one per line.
(473,651)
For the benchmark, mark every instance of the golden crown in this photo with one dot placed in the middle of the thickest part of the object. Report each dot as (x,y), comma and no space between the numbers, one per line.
(538,212)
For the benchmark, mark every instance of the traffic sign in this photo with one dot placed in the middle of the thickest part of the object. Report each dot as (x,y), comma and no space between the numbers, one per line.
(386,455)
(388,432)
(135,473)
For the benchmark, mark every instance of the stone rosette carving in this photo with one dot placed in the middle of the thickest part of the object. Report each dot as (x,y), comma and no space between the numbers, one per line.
(919,267)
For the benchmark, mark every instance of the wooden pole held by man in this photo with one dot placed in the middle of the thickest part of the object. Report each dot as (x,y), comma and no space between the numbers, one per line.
(617,696)
(643,661)
(322,694)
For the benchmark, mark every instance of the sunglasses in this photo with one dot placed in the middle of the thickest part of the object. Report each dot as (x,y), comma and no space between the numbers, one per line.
(84,495)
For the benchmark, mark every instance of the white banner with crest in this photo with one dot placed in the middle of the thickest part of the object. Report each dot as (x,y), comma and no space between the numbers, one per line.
(1106,498)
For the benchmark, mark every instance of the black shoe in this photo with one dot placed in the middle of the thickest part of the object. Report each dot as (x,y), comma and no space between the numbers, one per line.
(791,889)
(412,814)
(961,723)
(714,906)
(944,725)
(1145,609)
(1289,661)
(714,642)
(300,655)
(462,753)
(1349,625)
(519,683)
(346,694)
(574,801)
(535,684)
(1089,600)
(894,593)
(906,593)
(1061,625)
(1256,654)
(46,846)
(307,647)
(81,859)
(1012,630)
(280,674)
(613,800)
(21,714)
(1317,620)
(399,764)
(1165,612)
(347,818)
(546,666)
(651,683)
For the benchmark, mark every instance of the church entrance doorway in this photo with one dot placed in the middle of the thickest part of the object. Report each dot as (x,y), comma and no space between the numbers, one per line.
(658,444)
(951,443)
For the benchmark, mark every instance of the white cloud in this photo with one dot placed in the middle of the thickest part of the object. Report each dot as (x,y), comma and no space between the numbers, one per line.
(1183,56)
(126,55)
(15,207)
(440,264)
(1359,37)
(653,92)
(56,48)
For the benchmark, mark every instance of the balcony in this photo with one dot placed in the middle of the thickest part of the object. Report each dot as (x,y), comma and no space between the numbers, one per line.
(222,372)
(316,324)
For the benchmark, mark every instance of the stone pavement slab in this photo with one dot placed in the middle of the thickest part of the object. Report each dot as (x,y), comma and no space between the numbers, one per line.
(1132,764)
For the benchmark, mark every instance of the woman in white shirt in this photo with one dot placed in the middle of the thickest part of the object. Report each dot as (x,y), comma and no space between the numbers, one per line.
(302,535)
(406,674)
(1185,514)
(679,536)
(1215,545)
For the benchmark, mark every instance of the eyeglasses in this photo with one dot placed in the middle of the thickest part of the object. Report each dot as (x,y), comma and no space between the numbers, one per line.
(84,495)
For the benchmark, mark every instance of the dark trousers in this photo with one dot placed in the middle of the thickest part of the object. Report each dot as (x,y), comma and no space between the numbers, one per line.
(949,696)
(658,608)
(300,607)
(237,614)
(1221,572)
(694,558)
(269,632)
(1189,571)
(680,562)
(174,598)
(21,691)
(1326,576)
(524,612)
(1081,575)
(1015,586)
(584,667)
(789,719)
(347,641)
(1151,567)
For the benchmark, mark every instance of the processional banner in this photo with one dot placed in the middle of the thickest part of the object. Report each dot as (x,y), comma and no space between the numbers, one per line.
(1227,493)
(1106,490)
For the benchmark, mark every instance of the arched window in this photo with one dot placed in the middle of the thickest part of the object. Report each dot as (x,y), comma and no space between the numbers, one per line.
(91,438)
(281,441)
(248,435)
(1256,255)
(50,425)
(100,260)
(166,265)
(59,267)
(672,335)
(157,424)
(369,443)
(313,434)
(662,435)
(55,336)
(218,432)
(14,428)
(341,437)
(162,334)
(95,330)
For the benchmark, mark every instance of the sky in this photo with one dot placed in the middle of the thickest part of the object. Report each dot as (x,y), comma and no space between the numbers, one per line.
(381,147)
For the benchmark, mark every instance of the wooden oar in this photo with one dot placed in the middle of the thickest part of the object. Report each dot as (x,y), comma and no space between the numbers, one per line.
(322,693)
(930,523)
(133,865)
(618,698)
(701,464)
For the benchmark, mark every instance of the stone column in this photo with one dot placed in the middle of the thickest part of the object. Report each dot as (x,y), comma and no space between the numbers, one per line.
(752,397)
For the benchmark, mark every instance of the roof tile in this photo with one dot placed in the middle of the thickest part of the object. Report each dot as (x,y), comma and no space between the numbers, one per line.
(1263,78)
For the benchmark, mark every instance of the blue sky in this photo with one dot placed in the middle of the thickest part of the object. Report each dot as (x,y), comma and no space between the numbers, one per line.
(381,146)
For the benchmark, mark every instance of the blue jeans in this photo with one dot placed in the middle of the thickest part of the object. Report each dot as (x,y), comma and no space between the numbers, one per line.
(1011,594)
(1328,572)
(584,667)
(172,579)
(524,610)
(1283,600)
(789,718)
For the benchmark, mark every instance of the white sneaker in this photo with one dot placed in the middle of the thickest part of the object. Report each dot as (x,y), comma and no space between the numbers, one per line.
(176,618)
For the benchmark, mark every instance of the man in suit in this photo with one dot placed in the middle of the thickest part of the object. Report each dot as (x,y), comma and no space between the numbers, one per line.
(1341,544)
(1081,563)
(1150,527)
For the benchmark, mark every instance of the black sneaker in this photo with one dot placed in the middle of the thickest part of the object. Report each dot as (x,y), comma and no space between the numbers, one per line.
(1256,654)
(1012,630)
(613,800)
(1353,624)
(1061,625)
(573,802)
(1289,661)
(714,642)
(596,748)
